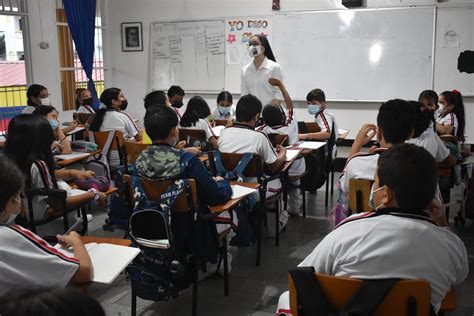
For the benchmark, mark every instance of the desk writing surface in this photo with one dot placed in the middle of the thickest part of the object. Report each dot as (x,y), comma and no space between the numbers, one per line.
(233,202)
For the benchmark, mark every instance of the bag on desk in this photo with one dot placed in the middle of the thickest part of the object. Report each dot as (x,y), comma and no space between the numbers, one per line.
(83,146)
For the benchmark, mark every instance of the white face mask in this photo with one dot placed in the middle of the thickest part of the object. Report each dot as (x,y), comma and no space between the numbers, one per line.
(255,50)
(45,101)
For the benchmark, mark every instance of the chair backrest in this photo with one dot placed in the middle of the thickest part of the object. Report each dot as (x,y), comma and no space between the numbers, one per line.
(154,189)
(308,127)
(279,139)
(359,194)
(82,118)
(133,150)
(230,160)
(100,138)
(338,290)
(220,122)
(187,134)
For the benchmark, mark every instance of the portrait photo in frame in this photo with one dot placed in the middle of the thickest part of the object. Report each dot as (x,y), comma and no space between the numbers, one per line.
(132,37)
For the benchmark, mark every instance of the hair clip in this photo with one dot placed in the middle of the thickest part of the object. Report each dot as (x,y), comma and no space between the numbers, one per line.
(457,92)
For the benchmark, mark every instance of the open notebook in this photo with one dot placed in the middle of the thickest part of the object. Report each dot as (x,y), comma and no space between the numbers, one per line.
(108,260)
(72,155)
(239,191)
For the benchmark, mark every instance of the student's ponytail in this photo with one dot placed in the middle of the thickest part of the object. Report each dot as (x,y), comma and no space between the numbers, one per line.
(196,109)
(459,111)
(105,98)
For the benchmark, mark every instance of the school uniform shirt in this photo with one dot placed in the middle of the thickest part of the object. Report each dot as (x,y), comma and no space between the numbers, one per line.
(87,109)
(243,139)
(28,261)
(449,119)
(432,143)
(326,122)
(255,81)
(360,166)
(28,109)
(118,121)
(290,128)
(216,114)
(178,112)
(388,246)
(202,125)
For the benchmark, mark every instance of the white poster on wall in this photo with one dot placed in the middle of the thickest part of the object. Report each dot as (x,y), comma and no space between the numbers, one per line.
(238,32)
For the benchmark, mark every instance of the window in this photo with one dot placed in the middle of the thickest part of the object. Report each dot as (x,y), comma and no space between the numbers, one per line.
(72,75)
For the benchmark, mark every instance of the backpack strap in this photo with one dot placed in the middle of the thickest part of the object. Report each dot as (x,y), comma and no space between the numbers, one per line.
(368,297)
(174,190)
(43,172)
(310,296)
(220,170)
(243,163)
(238,172)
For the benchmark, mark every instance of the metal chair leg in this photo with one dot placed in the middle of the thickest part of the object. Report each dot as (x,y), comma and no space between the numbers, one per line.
(277,225)
(195,287)
(303,193)
(260,211)
(226,267)
(327,193)
(332,180)
(134,303)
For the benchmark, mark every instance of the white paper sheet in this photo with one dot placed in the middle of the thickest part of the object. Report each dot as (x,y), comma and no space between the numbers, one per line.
(240,191)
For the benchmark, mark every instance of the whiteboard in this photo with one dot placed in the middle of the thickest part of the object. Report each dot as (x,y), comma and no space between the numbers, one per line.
(373,54)
(454,34)
(188,54)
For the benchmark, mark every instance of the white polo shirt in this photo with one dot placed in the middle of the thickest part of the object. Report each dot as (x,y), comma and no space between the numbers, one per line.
(388,246)
(360,166)
(87,109)
(202,125)
(449,119)
(28,261)
(255,81)
(432,143)
(119,121)
(325,121)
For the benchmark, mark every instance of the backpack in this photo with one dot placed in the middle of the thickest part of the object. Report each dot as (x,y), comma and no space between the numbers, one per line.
(244,233)
(159,272)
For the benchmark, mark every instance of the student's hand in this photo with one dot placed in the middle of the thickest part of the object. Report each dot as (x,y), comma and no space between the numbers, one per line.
(102,198)
(274,82)
(280,149)
(218,178)
(365,135)
(71,240)
(58,145)
(83,175)
(373,149)
(437,213)
(73,125)
(180,144)
(229,122)
(193,150)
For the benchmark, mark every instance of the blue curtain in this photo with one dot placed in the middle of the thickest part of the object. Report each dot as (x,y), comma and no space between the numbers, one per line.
(81,20)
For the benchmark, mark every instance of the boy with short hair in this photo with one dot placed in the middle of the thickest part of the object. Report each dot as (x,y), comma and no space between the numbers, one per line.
(175,97)
(161,160)
(399,238)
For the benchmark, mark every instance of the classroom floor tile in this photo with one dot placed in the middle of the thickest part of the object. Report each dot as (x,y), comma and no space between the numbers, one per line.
(255,290)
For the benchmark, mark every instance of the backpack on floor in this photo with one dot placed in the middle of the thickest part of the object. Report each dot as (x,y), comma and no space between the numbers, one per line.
(159,272)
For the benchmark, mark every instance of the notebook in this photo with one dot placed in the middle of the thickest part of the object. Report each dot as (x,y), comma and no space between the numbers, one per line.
(311,145)
(291,154)
(217,130)
(108,260)
(239,191)
(73,155)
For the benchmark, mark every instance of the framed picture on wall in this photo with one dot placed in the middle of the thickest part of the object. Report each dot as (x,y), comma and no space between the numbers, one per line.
(132,38)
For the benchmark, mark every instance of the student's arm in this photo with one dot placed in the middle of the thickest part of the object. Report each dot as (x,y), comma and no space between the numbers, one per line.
(315,136)
(213,141)
(64,144)
(213,192)
(139,136)
(74,174)
(84,273)
(365,135)
(286,96)
(70,128)
(443,129)
(280,161)
(277,74)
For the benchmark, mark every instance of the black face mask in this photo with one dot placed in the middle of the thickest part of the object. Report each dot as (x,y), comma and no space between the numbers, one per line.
(178,104)
(87,101)
(124,105)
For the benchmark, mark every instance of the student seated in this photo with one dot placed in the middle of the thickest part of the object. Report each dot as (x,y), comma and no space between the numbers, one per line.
(156,98)
(224,109)
(162,160)
(51,302)
(276,122)
(395,122)
(61,144)
(27,260)
(398,240)
(243,138)
(195,116)
(175,96)
(425,137)
(450,118)
(29,145)
(84,101)
(36,95)
(114,118)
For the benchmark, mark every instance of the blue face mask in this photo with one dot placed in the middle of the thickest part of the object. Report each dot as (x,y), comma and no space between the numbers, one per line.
(54,124)
(313,109)
(224,110)
(371,198)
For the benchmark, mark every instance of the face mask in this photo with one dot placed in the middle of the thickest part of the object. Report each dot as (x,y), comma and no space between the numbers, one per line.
(87,101)
(45,101)
(124,105)
(54,124)
(371,198)
(255,50)
(178,104)
(313,109)
(224,110)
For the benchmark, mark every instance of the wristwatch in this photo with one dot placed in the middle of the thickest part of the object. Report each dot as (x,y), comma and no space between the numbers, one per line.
(96,193)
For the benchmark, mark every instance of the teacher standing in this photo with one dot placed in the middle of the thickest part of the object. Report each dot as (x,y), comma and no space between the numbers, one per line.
(255,75)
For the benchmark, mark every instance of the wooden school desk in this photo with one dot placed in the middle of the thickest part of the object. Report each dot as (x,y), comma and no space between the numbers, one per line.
(234,202)
(67,162)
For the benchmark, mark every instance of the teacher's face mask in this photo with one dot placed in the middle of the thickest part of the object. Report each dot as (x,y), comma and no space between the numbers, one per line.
(255,50)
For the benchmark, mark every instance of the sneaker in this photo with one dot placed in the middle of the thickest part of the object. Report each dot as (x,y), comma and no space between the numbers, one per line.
(271,223)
